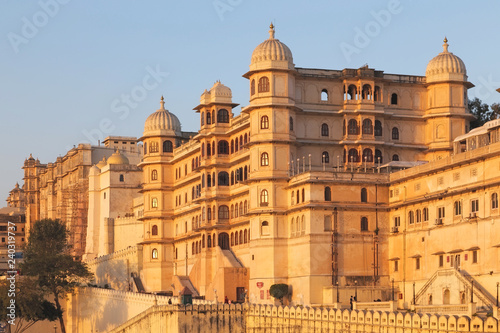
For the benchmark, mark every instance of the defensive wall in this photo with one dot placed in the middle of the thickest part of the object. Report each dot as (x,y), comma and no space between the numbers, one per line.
(102,310)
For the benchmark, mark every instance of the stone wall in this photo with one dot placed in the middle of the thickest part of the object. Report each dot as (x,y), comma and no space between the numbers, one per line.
(115,311)
(114,269)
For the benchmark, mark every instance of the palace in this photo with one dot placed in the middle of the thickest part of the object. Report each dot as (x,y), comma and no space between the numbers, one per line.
(350,179)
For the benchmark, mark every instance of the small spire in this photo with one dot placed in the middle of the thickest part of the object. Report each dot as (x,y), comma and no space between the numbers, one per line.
(162,103)
(445,45)
(271,31)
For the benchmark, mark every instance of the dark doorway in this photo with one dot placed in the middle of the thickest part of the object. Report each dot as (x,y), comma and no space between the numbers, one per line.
(224,241)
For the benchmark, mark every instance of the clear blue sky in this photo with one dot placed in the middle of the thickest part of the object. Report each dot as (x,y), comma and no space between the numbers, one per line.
(65,65)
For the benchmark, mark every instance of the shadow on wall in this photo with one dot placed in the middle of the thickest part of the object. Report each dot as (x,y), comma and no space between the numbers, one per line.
(113,273)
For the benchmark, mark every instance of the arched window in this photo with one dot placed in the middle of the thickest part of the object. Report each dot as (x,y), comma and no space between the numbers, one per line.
(364,195)
(252,88)
(264,159)
(366,93)
(154,203)
(325,157)
(457,207)
(245,236)
(378,156)
(154,254)
(292,228)
(241,237)
(223,148)
(263,84)
(203,241)
(122,178)
(202,118)
(209,117)
(209,241)
(193,250)
(223,178)
(154,230)
(395,133)
(328,193)
(364,223)
(232,177)
(264,122)
(264,228)
(264,198)
(367,155)
(303,195)
(325,130)
(245,139)
(395,157)
(367,126)
(411,217)
(245,173)
(145,148)
(168,147)
(352,92)
(236,147)
(352,127)
(377,94)
(378,128)
(209,213)
(418,216)
(245,207)
(222,116)
(241,141)
(291,124)
(425,213)
(303,225)
(223,212)
(394,99)
(494,200)
(232,239)
(232,146)
(153,147)
(353,155)
(324,95)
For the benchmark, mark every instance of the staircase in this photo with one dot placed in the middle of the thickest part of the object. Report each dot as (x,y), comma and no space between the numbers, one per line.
(479,292)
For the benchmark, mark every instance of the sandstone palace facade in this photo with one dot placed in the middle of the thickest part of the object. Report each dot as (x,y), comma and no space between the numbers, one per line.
(331,181)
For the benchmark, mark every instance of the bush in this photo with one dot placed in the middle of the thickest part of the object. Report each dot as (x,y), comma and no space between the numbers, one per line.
(279,291)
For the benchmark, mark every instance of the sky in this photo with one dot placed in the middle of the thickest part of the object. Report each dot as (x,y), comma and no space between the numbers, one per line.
(77,71)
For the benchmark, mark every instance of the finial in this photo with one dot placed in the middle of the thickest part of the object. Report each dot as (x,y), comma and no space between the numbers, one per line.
(445,45)
(271,31)
(162,103)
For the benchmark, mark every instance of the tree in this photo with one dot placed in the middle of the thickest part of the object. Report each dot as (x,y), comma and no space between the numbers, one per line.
(279,291)
(481,111)
(47,260)
(30,305)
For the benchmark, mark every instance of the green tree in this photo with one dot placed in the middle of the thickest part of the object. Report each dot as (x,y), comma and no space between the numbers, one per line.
(481,111)
(47,259)
(279,291)
(30,305)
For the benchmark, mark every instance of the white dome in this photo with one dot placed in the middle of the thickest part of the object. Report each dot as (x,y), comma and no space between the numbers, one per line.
(445,67)
(271,54)
(162,122)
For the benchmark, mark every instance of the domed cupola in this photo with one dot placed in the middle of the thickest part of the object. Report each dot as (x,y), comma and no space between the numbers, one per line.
(118,158)
(162,123)
(446,67)
(271,54)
